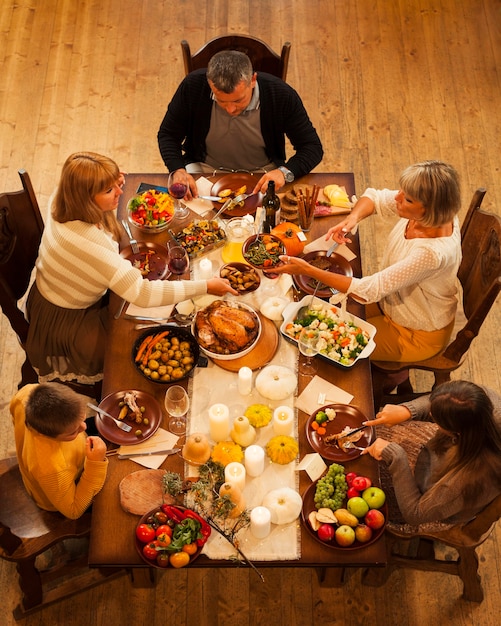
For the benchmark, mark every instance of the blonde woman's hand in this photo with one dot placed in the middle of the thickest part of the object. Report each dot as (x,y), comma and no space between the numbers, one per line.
(390,415)
(220,286)
(376,448)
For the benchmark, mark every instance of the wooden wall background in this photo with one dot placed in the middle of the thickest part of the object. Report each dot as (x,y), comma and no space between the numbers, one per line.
(386,83)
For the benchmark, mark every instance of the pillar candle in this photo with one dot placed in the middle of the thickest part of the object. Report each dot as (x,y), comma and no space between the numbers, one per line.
(234,473)
(283,420)
(244,381)
(219,422)
(260,522)
(205,268)
(254,460)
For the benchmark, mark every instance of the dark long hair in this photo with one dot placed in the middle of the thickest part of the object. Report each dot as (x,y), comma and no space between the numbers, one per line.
(464,410)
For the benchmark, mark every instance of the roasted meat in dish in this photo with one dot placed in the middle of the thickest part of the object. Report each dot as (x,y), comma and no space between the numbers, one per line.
(225,328)
(340,440)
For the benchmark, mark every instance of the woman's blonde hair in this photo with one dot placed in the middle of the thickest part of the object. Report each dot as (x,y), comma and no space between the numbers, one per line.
(436,185)
(84,175)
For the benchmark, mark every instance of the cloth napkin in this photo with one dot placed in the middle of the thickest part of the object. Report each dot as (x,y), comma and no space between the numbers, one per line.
(161,440)
(157,312)
(308,400)
(197,205)
(321,244)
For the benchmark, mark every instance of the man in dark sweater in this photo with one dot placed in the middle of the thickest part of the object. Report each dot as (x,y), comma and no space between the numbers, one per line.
(229,117)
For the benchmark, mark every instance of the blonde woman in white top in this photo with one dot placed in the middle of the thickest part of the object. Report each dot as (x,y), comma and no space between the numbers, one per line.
(412,301)
(78,264)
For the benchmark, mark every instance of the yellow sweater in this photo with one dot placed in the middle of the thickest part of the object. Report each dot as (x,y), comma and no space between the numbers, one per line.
(56,474)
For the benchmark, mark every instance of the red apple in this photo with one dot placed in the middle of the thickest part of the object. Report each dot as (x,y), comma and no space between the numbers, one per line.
(374,519)
(326,532)
(363,533)
(345,535)
(361,482)
(352,493)
(349,478)
(374,496)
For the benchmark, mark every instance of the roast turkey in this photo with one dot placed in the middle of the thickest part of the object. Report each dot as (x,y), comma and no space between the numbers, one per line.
(225,327)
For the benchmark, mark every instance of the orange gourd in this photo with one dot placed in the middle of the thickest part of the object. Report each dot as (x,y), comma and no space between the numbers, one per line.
(287,232)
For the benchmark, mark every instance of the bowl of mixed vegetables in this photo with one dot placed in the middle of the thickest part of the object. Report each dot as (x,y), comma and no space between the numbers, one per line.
(263,251)
(151,211)
(343,337)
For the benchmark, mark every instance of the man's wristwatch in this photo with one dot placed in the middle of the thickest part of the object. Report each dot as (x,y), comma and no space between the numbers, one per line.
(288,175)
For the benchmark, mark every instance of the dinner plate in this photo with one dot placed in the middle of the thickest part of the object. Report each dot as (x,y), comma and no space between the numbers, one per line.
(309,506)
(157,256)
(346,415)
(234,182)
(110,431)
(336,264)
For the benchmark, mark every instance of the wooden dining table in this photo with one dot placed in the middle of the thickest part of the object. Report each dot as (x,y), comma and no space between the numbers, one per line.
(112,536)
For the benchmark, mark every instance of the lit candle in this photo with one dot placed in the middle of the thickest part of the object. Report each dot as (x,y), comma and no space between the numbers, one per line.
(254,460)
(260,522)
(219,422)
(205,267)
(244,381)
(234,473)
(283,420)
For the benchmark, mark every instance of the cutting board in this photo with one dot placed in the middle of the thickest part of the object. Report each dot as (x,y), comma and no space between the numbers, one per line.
(141,491)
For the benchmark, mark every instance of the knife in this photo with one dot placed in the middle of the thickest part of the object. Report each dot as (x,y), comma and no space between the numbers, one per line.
(352,432)
(135,454)
(332,248)
(212,198)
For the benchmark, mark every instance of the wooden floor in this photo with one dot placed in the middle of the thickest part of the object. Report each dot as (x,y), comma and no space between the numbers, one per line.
(386,83)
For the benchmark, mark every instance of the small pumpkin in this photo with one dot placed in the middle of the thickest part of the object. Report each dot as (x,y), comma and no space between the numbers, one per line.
(243,432)
(225,452)
(284,504)
(273,307)
(259,415)
(236,497)
(276,382)
(282,449)
(287,232)
(196,450)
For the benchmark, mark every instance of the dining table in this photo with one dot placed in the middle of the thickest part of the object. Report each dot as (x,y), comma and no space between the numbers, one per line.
(112,542)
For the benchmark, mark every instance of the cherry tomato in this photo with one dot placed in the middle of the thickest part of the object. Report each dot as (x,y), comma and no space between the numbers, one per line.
(163,540)
(150,550)
(190,548)
(164,528)
(145,533)
(161,517)
(163,559)
(179,559)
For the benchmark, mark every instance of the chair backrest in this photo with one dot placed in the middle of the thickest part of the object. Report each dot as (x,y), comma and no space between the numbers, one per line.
(262,57)
(21,228)
(479,272)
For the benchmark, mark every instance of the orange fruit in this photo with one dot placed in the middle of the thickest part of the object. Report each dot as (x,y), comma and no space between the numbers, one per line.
(179,559)
(190,548)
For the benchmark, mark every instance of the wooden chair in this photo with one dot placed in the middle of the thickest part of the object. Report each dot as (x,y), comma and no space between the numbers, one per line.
(480,277)
(262,57)
(26,532)
(464,538)
(21,228)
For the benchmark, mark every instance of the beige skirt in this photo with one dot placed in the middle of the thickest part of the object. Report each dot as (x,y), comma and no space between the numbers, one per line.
(66,344)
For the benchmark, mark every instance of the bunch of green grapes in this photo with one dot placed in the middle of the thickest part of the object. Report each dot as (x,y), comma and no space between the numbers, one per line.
(331,488)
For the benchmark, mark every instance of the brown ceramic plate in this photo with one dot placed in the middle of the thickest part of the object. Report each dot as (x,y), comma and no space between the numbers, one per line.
(346,415)
(252,243)
(235,182)
(336,263)
(155,255)
(242,268)
(110,431)
(140,544)
(309,506)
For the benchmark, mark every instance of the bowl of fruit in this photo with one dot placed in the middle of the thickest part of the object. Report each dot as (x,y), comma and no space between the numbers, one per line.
(349,517)
(151,211)
(171,536)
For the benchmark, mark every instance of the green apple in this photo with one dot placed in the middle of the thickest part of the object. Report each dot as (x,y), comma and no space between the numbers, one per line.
(374,496)
(357,506)
(345,535)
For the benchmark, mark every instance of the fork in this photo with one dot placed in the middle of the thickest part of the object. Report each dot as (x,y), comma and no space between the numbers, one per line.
(125,427)
(350,444)
(133,243)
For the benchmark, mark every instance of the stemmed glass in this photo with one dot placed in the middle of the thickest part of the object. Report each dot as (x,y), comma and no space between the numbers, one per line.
(179,261)
(178,187)
(177,404)
(307,343)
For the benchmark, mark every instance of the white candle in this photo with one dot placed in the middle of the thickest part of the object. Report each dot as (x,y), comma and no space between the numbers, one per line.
(219,422)
(234,473)
(205,267)
(283,420)
(244,381)
(254,460)
(260,522)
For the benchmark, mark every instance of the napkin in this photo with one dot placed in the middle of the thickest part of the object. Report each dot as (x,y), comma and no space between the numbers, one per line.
(161,440)
(156,312)
(308,400)
(197,205)
(321,244)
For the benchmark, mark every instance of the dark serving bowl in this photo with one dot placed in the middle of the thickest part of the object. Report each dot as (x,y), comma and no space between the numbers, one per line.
(253,246)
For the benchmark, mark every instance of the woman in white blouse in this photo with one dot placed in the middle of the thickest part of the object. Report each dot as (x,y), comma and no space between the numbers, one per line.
(412,301)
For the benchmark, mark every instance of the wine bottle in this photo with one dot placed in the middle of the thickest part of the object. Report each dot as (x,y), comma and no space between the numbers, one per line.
(271,206)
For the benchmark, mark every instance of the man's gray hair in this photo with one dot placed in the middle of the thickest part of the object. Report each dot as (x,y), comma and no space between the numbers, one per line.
(228,68)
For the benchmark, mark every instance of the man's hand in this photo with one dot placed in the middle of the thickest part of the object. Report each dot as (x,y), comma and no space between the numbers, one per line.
(275,175)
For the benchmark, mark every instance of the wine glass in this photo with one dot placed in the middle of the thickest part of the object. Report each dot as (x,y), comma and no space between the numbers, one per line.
(178,187)
(307,343)
(179,261)
(177,404)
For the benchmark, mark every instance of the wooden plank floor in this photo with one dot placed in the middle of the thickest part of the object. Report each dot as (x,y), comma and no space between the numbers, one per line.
(387,83)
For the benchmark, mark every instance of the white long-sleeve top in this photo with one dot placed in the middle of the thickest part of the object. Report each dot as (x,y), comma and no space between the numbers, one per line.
(417,287)
(78,262)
